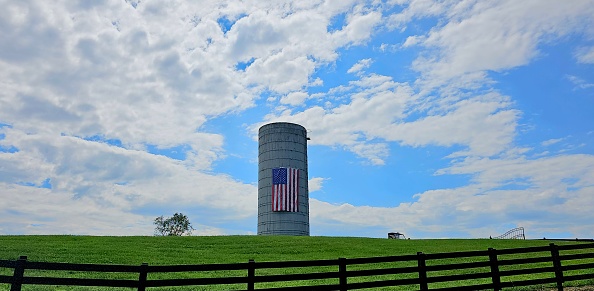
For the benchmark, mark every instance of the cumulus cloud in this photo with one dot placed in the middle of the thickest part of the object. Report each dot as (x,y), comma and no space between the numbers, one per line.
(134,72)
(89,88)
(485,124)
(56,212)
(379,110)
(412,40)
(480,36)
(359,66)
(471,38)
(358,29)
(114,75)
(315,184)
(108,179)
(518,191)
(294,98)
(417,9)
(377,101)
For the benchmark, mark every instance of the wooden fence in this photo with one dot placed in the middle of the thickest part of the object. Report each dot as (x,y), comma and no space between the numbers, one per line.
(473,270)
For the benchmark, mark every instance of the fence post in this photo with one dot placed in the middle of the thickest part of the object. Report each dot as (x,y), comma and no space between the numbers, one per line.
(342,276)
(557,266)
(19,272)
(496,278)
(142,277)
(251,274)
(422,271)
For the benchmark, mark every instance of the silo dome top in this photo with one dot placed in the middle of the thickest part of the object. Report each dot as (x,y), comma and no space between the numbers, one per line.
(281,124)
(283,127)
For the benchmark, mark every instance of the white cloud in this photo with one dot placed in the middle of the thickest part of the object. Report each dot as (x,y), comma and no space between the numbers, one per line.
(585,55)
(359,66)
(485,125)
(417,9)
(281,72)
(108,179)
(579,83)
(294,98)
(517,192)
(358,29)
(551,141)
(544,172)
(108,72)
(384,47)
(203,230)
(480,36)
(412,41)
(315,184)
(149,74)
(153,73)
(287,48)
(378,110)
(29,210)
(378,101)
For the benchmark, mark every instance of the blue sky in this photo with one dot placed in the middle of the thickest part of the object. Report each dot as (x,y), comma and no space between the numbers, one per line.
(432,118)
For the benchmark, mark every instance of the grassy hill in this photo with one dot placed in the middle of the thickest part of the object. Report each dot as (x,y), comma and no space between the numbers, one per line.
(228,249)
(222,249)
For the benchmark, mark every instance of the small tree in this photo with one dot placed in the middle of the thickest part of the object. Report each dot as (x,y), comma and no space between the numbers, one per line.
(177,225)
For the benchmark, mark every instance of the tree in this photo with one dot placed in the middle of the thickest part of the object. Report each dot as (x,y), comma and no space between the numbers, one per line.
(177,225)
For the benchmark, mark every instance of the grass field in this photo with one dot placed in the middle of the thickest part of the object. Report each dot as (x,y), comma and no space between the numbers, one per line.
(219,249)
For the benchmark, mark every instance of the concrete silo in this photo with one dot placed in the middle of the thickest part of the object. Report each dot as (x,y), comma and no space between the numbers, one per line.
(283,195)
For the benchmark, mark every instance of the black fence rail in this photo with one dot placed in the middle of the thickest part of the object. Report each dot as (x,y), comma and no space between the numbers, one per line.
(473,270)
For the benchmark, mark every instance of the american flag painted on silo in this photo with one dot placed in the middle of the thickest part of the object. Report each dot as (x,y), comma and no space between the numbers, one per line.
(285,189)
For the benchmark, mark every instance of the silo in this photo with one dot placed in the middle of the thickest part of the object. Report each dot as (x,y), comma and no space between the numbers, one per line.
(283,195)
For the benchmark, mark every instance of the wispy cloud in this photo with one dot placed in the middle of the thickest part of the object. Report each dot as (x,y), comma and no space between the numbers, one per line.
(579,83)
(359,66)
(585,55)
(552,141)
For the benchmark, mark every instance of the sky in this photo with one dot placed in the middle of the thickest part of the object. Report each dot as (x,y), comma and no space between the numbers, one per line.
(436,119)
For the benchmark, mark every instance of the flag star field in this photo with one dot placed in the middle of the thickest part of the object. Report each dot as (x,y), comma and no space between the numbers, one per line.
(436,119)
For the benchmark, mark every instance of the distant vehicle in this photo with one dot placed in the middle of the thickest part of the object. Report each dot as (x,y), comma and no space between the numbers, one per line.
(396,235)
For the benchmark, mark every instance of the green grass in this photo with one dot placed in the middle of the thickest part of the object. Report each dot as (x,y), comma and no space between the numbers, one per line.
(222,249)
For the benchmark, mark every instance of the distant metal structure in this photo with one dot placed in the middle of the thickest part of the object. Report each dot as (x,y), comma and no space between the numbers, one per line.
(516,233)
(396,235)
(283,197)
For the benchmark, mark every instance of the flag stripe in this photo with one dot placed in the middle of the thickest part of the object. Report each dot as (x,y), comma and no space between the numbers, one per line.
(285,189)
